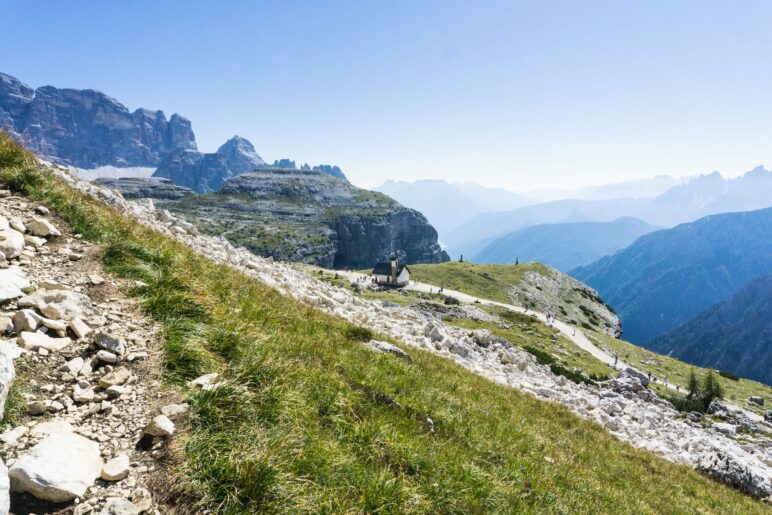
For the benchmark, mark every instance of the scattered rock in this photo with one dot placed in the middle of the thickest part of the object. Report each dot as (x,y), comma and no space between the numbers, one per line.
(5,490)
(759,401)
(117,377)
(12,283)
(174,410)
(142,499)
(160,426)
(11,243)
(206,381)
(728,470)
(117,468)
(119,506)
(79,327)
(110,343)
(7,375)
(57,304)
(388,348)
(42,227)
(34,341)
(58,469)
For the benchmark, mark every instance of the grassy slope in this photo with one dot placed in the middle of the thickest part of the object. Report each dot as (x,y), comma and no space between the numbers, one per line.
(677,372)
(308,420)
(484,281)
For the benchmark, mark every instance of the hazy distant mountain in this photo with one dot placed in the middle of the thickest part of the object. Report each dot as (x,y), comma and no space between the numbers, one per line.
(472,236)
(638,188)
(698,197)
(446,205)
(667,277)
(565,246)
(735,335)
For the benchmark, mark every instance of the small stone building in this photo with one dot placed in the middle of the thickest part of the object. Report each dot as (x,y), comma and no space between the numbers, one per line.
(391,273)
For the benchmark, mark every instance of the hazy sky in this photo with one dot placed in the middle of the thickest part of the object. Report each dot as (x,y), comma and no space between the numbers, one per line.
(514,94)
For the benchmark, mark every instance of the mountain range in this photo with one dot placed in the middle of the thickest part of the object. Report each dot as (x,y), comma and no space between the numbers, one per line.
(564,246)
(734,335)
(667,277)
(446,205)
(698,197)
(86,128)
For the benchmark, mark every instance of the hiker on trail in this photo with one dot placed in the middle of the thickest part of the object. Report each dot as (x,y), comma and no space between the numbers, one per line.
(574,333)
(649,375)
(616,359)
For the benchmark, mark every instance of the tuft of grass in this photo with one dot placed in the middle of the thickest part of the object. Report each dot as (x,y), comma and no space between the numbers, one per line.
(310,420)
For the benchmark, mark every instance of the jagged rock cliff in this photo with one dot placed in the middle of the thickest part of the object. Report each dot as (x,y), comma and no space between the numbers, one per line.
(86,128)
(205,173)
(311,217)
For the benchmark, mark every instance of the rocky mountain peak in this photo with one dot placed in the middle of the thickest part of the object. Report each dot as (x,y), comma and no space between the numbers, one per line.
(86,128)
(241,155)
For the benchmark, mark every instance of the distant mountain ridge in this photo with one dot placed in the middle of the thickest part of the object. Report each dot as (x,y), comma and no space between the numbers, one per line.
(701,196)
(446,205)
(669,276)
(88,129)
(565,246)
(734,335)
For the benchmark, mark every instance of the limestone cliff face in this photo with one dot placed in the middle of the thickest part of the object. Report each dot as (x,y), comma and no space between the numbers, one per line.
(361,241)
(311,217)
(86,128)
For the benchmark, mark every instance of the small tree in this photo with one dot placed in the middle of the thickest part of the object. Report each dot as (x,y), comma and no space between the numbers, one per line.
(711,389)
(692,387)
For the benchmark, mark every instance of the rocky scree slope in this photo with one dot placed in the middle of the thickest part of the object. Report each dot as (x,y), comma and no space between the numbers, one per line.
(86,128)
(734,335)
(623,406)
(86,428)
(667,277)
(309,217)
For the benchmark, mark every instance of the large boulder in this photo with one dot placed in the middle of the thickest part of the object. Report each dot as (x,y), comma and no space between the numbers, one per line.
(12,281)
(57,304)
(7,375)
(58,469)
(11,243)
(750,478)
(5,490)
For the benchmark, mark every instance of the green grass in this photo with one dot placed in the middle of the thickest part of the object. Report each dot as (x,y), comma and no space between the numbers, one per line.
(310,420)
(484,281)
(677,372)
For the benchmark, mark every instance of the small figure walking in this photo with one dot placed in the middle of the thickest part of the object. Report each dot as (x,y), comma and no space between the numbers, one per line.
(616,359)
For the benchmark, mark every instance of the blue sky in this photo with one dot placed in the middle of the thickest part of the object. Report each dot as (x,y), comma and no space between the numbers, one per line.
(514,94)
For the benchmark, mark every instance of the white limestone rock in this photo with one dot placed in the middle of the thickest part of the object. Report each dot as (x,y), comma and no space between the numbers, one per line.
(40,226)
(160,426)
(58,469)
(175,410)
(117,468)
(119,506)
(118,376)
(34,341)
(11,243)
(12,282)
(5,490)
(7,375)
(57,304)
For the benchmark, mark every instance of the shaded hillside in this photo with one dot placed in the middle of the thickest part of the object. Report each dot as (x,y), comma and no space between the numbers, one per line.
(565,246)
(667,277)
(86,128)
(304,216)
(735,335)
(532,285)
